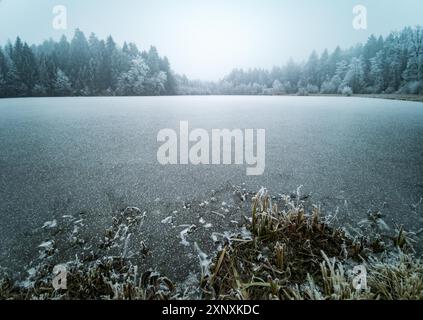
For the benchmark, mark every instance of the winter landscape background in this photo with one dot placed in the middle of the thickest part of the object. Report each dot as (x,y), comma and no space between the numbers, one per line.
(81,185)
(94,67)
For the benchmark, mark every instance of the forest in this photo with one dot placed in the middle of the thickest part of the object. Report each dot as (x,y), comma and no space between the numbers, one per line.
(83,67)
(382,65)
(94,67)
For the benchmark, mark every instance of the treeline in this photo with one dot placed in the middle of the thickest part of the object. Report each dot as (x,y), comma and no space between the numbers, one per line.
(83,67)
(92,67)
(383,65)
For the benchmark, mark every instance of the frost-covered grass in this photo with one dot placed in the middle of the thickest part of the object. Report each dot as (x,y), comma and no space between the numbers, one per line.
(394,277)
(285,250)
(292,254)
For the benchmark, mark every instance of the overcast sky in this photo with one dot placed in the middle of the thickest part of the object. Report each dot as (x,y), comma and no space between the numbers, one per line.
(205,39)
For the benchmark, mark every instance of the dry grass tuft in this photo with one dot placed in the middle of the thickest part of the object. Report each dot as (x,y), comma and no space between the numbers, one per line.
(295,255)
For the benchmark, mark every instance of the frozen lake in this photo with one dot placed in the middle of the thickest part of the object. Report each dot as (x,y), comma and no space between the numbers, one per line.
(62,156)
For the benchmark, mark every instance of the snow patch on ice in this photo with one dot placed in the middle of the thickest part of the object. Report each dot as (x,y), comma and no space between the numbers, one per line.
(167,220)
(184,233)
(50,224)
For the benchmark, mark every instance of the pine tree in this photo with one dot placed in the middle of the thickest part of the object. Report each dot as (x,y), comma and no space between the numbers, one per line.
(324,68)
(15,87)
(153,60)
(133,82)
(29,69)
(370,49)
(334,59)
(293,73)
(354,78)
(330,86)
(335,85)
(79,59)
(46,77)
(24,68)
(62,54)
(2,86)
(377,73)
(99,68)
(62,84)
(155,85)
(3,72)
(170,85)
(311,70)
(118,62)
(3,63)
(414,70)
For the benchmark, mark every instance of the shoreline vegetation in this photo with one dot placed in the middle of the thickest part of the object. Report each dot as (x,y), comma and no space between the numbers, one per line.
(284,250)
(89,66)
(398,97)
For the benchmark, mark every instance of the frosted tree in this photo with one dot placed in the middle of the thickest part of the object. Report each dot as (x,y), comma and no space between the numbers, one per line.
(311,70)
(170,85)
(278,88)
(257,88)
(377,73)
(292,73)
(336,84)
(15,87)
(79,59)
(62,84)
(324,68)
(335,71)
(327,86)
(354,77)
(413,74)
(61,51)
(156,84)
(46,77)
(413,70)
(334,58)
(25,66)
(152,59)
(2,86)
(341,69)
(3,72)
(99,69)
(370,49)
(416,52)
(39,90)
(117,62)
(394,54)
(133,82)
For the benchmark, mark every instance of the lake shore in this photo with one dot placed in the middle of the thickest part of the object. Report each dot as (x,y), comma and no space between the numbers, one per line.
(283,250)
(401,97)
(393,96)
